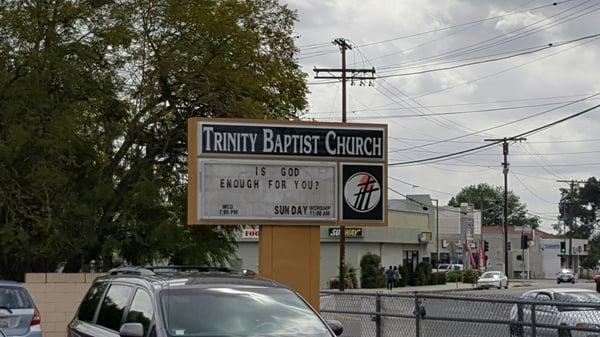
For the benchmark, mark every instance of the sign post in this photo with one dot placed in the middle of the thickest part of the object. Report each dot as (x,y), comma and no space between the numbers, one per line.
(290,178)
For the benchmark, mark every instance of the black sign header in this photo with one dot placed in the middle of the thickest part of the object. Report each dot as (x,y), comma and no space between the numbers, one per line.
(297,140)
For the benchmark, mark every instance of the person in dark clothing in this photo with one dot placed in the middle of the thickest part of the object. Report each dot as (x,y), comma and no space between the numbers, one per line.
(390,275)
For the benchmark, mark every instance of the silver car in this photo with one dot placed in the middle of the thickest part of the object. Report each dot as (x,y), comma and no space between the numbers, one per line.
(493,279)
(18,314)
(573,317)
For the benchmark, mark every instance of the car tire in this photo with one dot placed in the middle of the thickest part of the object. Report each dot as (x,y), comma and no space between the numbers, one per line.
(557,281)
(516,331)
(573,281)
(506,285)
(564,333)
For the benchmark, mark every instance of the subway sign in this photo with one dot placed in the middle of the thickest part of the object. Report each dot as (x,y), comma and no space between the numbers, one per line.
(286,172)
(353,233)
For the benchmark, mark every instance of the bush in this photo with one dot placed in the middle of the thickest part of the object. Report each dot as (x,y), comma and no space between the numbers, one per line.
(454,276)
(470,276)
(441,277)
(438,278)
(371,275)
(403,276)
(423,273)
(434,279)
(413,281)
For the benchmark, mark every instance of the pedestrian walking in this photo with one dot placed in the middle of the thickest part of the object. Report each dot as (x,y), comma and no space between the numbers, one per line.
(390,275)
(396,277)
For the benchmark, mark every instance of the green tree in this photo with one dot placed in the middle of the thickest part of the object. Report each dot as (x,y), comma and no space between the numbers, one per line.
(371,271)
(490,200)
(578,211)
(94,100)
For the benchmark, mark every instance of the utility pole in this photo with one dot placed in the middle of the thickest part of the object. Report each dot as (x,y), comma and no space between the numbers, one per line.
(355,74)
(505,165)
(572,183)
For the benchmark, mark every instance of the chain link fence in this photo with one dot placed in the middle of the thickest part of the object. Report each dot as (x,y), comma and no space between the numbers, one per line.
(559,313)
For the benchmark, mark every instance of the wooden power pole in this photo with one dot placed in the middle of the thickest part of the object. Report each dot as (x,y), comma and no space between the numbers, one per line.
(355,74)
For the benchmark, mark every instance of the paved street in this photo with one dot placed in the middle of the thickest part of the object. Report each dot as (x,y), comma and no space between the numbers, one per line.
(452,310)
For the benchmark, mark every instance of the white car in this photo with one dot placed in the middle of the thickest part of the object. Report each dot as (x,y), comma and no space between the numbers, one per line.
(573,317)
(493,279)
(445,267)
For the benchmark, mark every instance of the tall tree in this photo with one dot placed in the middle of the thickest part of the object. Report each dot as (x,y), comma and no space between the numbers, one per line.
(490,200)
(95,97)
(579,213)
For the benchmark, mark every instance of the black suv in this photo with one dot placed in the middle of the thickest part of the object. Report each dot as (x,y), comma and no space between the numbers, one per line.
(194,302)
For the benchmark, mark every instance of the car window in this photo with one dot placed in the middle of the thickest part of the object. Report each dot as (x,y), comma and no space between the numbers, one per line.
(529,296)
(543,297)
(141,310)
(490,274)
(14,298)
(88,306)
(240,312)
(113,306)
(457,268)
(577,297)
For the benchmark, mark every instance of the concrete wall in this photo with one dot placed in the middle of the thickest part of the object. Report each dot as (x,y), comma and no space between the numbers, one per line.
(57,296)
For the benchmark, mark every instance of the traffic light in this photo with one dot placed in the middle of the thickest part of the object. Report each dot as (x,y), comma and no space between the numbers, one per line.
(508,245)
(524,242)
(486,246)
(563,247)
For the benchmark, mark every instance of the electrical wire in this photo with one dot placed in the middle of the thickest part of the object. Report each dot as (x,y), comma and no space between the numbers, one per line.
(504,70)
(530,190)
(550,45)
(503,124)
(530,132)
(511,35)
(464,24)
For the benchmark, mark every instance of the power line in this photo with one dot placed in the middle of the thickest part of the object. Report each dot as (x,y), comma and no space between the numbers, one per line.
(550,45)
(530,190)
(533,131)
(512,35)
(463,24)
(471,103)
(459,112)
(504,70)
(439,56)
(503,124)
(419,186)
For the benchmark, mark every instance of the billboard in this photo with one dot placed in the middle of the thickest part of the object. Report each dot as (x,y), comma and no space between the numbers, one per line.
(284,172)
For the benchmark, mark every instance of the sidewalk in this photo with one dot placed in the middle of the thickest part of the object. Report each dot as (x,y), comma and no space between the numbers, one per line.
(448,287)
(422,289)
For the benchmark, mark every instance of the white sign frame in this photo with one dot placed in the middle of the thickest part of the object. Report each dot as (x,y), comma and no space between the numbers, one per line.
(263,219)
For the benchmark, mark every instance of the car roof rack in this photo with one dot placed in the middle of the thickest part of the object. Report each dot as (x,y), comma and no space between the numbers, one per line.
(131,271)
(191,269)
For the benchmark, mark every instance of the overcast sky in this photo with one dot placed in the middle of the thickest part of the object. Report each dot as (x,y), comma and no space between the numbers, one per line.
(479,97)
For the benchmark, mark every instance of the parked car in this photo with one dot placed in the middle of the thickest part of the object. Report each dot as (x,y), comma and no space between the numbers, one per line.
(18,314)
(446,267)
(565,275)
(192,302)
(495,279)
(560,316)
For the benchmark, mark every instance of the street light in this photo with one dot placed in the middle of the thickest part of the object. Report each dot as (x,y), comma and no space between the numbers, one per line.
(437,231)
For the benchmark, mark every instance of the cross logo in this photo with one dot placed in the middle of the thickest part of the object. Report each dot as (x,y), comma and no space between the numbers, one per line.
(362,192)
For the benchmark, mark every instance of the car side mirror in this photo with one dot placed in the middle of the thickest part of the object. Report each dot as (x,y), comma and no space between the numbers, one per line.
(336,326)
(131,330)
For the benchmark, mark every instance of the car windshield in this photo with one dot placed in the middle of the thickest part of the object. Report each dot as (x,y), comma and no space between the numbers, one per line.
(577,297)
(566,271)
(490,275)
(14,298)
(239,312)
(443,267)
